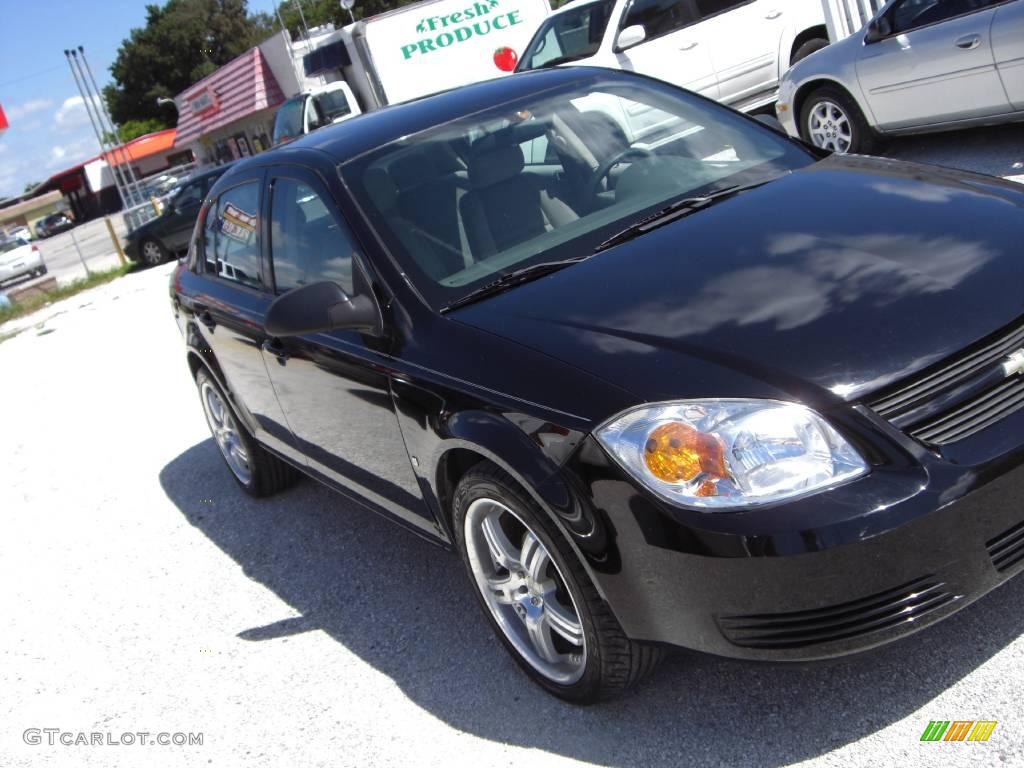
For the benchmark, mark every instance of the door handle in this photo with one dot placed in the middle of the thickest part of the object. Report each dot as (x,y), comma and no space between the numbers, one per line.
(688,46)
(203,315)
(969,43)
(273,347)
(772,15)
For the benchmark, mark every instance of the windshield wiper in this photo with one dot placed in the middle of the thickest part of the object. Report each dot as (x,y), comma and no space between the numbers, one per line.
(511,279)
(677,210)
(564,59)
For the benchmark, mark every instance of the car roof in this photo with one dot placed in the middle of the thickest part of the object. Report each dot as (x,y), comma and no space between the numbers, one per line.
(368,131)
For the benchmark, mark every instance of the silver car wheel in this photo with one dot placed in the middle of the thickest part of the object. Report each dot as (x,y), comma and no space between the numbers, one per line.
(829,127)
(525,591)
(151,253)
(225,432)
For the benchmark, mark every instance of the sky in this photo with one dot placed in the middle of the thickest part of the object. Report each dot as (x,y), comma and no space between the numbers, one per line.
(49,127)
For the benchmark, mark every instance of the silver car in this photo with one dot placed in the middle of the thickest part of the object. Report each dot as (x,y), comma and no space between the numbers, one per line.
(19,258)
(919,65)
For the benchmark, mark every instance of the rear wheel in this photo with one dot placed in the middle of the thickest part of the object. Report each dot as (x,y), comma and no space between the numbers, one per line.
(259,472)
(830,119)
(153,253)
(537,596)
(807,48)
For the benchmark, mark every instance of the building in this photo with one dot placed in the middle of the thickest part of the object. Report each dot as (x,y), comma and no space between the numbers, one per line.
(25,211)
(229,114)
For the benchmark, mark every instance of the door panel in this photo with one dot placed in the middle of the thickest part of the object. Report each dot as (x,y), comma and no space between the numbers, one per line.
(230,302)
(1008,48)
(941,72)
(334,388)
(677,49)
(744,52)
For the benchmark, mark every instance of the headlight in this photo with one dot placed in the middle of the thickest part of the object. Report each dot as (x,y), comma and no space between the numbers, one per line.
(730,454)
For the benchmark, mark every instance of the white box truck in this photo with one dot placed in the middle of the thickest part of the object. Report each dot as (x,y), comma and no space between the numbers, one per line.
(422,48)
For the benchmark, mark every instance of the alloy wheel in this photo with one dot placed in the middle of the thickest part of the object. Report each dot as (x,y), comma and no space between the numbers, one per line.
(225,432)
(151,253)
(525,591)
(829,127)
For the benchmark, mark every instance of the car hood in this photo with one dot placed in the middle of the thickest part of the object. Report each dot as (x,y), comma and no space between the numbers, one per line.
(825,285)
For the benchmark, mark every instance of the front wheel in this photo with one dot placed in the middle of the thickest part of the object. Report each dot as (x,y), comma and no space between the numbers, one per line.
(153,253)
(537,596)
(830,119)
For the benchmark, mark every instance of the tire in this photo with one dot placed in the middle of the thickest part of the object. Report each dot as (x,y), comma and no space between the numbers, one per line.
(259,472)
(846,130)
(605,662)
(152,252)
(807,48)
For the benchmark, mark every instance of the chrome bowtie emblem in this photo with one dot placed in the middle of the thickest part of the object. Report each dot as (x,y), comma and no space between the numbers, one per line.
(1014,363)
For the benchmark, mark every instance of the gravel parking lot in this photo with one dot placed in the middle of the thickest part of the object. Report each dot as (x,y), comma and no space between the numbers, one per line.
(144,593)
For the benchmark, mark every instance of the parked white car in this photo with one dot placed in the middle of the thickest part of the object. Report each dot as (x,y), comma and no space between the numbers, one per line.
(919,65)
(19,258)
(731,50)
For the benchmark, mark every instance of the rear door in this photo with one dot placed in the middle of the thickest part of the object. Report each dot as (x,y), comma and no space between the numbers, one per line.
(745,36)
(228,297)
(334,387)
(1008,49)
(677,48)
(936,65)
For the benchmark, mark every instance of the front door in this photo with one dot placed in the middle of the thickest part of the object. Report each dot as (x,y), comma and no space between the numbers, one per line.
(334,387)
(678,47)
(935,66)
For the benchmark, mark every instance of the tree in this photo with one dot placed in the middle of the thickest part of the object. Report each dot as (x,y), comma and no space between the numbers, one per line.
(132,129)
(182,42)
(319,12)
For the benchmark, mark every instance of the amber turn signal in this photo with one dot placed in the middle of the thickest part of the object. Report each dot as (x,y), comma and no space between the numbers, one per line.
(677,452)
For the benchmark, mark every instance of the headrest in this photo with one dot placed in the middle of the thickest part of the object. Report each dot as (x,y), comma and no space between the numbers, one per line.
(380,188)
(499,164)
(411,169)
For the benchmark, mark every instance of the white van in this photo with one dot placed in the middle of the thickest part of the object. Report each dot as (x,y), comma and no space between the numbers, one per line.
(733,51)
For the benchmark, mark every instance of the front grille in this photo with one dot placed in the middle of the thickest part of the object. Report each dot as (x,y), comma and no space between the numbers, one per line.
(838,622)
(1007,549)
(961,396)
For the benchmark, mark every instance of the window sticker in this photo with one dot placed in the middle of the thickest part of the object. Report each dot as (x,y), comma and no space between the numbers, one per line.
(237,224)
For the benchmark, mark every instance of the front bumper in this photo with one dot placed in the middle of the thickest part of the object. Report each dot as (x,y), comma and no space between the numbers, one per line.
(847,570)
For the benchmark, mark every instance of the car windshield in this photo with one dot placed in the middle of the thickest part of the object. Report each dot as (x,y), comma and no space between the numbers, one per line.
(288,120)
(331,105)
(568,36)
(6,246)
(552,176)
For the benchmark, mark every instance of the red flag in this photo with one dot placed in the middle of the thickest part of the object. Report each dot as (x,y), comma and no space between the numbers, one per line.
(3,121)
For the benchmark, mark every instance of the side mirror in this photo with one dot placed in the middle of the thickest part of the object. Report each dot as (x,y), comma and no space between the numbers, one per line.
(878,29)
(322,307)
(630,36)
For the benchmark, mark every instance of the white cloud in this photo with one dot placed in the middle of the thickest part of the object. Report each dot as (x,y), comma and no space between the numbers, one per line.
(72,113)
(19,111)
(65,155)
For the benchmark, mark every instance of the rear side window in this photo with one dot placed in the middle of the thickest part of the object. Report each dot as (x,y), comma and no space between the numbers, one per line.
(306,243)
(231,236)
(660,17)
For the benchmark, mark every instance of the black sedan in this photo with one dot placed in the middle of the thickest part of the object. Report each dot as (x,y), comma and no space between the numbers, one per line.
(53,224)
(160,238)
(661,376)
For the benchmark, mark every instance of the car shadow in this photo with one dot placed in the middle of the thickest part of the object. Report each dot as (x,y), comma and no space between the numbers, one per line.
(405,608)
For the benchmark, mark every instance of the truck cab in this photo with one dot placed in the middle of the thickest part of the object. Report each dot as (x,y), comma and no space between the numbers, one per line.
(302,114)
(733,51)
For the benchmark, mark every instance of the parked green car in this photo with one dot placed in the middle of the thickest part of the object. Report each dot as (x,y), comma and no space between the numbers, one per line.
(168,234)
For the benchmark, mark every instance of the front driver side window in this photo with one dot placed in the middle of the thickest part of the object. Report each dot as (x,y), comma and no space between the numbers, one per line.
(306,244)
(912,14)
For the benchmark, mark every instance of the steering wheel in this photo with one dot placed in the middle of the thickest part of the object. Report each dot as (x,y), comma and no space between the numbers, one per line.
(605,168)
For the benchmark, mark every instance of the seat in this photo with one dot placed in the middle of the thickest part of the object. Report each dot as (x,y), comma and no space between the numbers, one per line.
(505,206)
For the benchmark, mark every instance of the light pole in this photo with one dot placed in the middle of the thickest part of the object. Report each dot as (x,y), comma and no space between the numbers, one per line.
(347,5)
